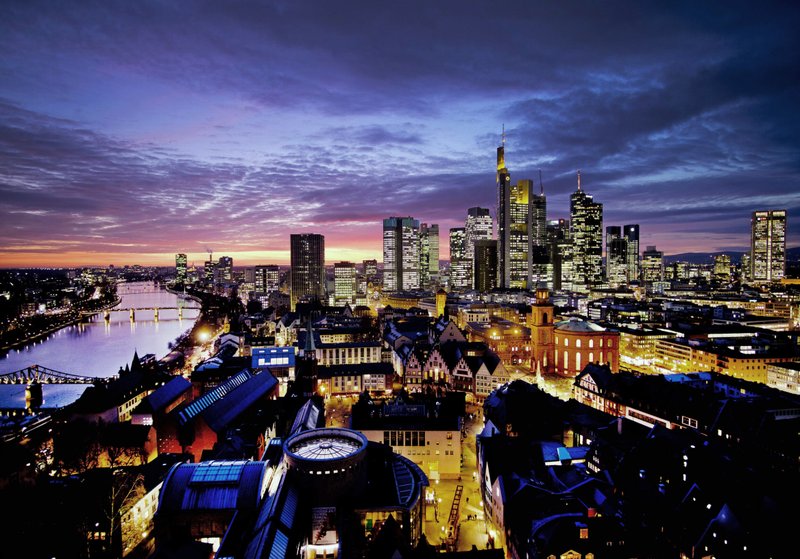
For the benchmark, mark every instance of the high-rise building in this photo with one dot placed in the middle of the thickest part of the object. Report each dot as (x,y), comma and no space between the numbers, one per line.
(631,234)
(521,229)
(485,265)
(503,185)
(307,271)
(370,269)
(616,256)
(428,254)
(224,271)
(652,265)
(344,283)
(768,246)
(559,252)
(180,268)
(209,271)
(267,278)
(586,223)
(541,269)
(400,254)
(478,227)
(460,276)
(722,268)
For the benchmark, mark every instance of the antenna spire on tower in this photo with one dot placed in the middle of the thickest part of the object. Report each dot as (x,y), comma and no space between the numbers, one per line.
(504,135)
(579,179)
(541,184)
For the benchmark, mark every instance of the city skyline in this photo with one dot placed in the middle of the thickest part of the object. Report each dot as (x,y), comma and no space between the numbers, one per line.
(129,134)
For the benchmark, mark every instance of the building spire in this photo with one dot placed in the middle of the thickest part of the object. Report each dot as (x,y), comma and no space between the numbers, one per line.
(579,180)
(541,184)
(504,135)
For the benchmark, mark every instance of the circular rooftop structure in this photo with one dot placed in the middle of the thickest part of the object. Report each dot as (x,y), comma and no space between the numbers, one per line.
(575,324)
(325,450)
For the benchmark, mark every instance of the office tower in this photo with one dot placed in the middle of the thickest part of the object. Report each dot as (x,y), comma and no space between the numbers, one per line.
(652,265)
(768,246)
(616,256)
(428,254)
(224,272)
(370,269)
(307,267)
(344,283)
(559,252)
(400,254)
(485,265)
(586,222)
(459,265)
(267,278)
(478,227)
(209,271)
(722,268)
(503,185)
(631,234)
(180,268)
(541,270)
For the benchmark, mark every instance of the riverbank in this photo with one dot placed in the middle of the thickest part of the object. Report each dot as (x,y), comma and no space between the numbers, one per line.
(74,317)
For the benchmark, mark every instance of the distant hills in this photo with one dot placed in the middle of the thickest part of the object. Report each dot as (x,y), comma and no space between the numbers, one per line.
(792,254)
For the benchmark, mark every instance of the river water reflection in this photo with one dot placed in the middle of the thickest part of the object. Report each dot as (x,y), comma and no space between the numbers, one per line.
(99,347)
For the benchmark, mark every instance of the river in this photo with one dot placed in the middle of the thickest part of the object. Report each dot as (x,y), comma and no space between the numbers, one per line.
(99,347)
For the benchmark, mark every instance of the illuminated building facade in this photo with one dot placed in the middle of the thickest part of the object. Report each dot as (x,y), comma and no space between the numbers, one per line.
(768,246)
(267,278)
(616,256)
(401,254)
(478,227)
(485,265)
(428,254)
(631,234)
(224,271)
(180,268)
(652,265)
(540,323)
(578,342)
(459,264)
(586,228)
(307,271)
(344,283)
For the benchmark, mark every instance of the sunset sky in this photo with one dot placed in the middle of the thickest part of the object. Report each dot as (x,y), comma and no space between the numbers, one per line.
(133,130)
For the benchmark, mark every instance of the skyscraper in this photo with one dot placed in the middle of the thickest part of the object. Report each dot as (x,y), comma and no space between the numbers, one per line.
(559,251)
(428,254)
(459,265)
(503,185)
(307,271)
(267,278)
(586,222)
(652,265)
(485,265)
(616,256)
(768,246)
(401,254)
(344,283)
(631,234)
(541,269)
(370,269)
(180,268)
(478,227)
(224,270)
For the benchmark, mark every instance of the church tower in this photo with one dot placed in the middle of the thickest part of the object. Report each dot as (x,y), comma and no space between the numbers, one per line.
(540,322)
(306,368)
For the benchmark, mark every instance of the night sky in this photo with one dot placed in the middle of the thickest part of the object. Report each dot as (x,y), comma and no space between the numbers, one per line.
(133,130)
